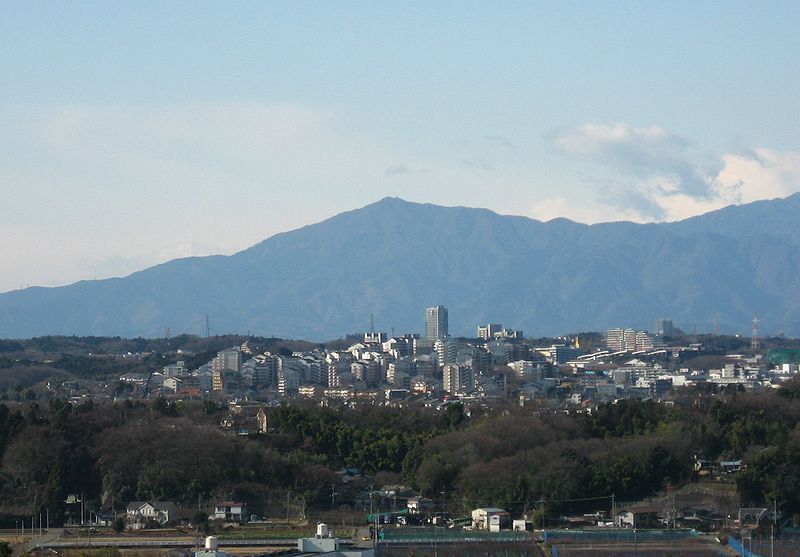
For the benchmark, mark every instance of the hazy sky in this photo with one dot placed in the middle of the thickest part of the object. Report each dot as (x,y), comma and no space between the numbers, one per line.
(133,133)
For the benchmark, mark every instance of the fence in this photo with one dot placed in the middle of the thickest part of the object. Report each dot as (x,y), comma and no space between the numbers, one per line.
(737,546)
(625,534)
(445,535)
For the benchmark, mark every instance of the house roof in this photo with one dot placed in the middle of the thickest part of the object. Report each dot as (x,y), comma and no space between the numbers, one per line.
(167,506)
(641,509)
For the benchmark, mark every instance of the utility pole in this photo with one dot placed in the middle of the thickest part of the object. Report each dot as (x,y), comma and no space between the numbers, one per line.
(674,510)
(772,527)
(333,497)
(370,501)
(613,510)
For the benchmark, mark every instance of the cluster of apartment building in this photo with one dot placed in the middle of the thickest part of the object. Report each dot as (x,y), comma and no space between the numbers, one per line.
(498,363)
(433,365)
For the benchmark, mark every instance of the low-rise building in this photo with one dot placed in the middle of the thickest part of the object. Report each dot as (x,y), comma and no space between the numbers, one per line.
(158,511)
(230,511)
(491,518)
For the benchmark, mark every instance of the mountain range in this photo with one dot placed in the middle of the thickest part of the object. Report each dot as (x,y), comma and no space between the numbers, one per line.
(393,258)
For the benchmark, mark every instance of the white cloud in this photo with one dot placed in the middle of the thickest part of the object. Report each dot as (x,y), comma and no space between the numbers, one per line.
(762,174)
(620,141)
(651,156)
(744,178)
(655,176)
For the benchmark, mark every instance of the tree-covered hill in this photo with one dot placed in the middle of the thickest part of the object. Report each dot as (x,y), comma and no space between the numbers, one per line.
(114,453)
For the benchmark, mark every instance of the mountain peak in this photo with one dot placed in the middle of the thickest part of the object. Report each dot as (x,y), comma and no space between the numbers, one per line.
(392,258)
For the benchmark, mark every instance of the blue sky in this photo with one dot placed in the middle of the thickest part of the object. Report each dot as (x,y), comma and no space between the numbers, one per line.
(133,133)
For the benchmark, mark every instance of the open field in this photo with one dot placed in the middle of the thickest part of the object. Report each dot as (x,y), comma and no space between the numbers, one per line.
(693,548)
(475,549)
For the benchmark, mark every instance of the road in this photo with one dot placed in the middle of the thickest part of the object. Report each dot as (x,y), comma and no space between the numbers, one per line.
(49,536)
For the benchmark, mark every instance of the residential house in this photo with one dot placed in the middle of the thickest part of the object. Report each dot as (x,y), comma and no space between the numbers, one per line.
(230,511)
(419,505)
(161,512)
(638,517)
(491,518)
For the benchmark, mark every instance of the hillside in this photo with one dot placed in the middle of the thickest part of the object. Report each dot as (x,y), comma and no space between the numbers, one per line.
(393,258)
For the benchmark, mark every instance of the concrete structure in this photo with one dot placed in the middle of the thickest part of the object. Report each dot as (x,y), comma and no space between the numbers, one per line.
(230,511)
(288,382)
(262,421)
(211,549)
(158,511)
(664,327)
(638,517)
(178,368)
(491,518)
(230,358)
(561,354)
(436,323)
(419,505)
(324,543)
(487,332)
(619,340)
(446,351)
(457,378)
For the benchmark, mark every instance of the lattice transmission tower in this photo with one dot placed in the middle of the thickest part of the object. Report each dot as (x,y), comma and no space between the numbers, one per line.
(754,342)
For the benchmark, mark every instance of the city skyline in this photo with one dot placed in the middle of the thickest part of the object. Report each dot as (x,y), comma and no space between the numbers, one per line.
(138,133)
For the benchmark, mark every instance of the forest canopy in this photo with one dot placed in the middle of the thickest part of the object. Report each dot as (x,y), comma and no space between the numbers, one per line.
(166,450)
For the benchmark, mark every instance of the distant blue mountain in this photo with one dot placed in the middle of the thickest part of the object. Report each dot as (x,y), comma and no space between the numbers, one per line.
(394,258)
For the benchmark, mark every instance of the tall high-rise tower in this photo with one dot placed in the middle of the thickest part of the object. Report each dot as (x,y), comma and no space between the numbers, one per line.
(664,327)
(436,327)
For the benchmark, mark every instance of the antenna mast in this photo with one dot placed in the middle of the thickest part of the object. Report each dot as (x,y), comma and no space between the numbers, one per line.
(754,343)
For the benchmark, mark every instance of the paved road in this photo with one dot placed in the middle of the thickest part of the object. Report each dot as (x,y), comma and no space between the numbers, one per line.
(127,542)
(49,536)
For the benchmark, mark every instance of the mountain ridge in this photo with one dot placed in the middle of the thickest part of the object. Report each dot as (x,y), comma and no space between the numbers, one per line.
(393,258)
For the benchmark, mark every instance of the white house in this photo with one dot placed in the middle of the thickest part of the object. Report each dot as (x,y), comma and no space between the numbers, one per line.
(490,518)
(230,511)
(159,511)
(419,505)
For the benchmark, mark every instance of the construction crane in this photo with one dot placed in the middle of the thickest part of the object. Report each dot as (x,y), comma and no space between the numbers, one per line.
(146,388)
